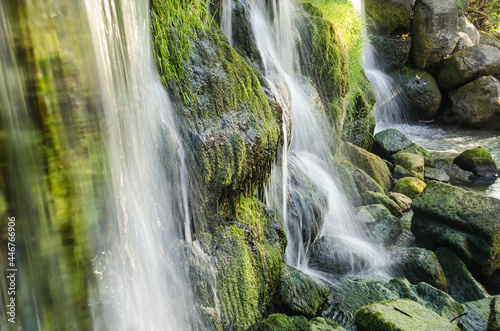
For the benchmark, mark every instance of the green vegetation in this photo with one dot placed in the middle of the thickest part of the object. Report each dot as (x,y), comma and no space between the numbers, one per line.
(336,67)
(485,14)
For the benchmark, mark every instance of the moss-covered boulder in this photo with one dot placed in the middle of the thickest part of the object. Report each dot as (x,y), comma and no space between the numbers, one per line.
(461,285)
(421,89)
(478,160)
(476,104)
(323,324)
(401,315)
(418,265)
(247,255)
(468,64)
(374,198)
(435,31)
(403,201)
(477,316)
(409,165)
(281,322)
(382,227)
(494,319)
(299,293)
(389,22)
(389,142)
(468,223)
(454,172)
(370,163)
(436,174)
(394,50)
(409,186)
(356,181)
(415,148)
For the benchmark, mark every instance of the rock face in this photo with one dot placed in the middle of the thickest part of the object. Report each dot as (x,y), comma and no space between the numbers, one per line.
(409,186)
(389,142)
(494,319)
(461,285)
(395,51)
(389,22)
(300,294)
(476,103)
(465,222)
(435,31)
(421,90)
(468,64)
(478,160)
(401,315)
(409,165)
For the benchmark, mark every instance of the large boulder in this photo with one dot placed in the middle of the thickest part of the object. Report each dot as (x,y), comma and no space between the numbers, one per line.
(454,172)
(299,293)
(389,22)
(401,315)
(421,89)
(435,31)
(356,181)
(415,148)
(478,160)
(409,165)
(382,227)
(374,198)
(370,163)
(389,142)
(461,285)
(476,104)
(409,186)
(394,50)
(468,223)
(468,64)
(436,174)
(418,265)
(477,316)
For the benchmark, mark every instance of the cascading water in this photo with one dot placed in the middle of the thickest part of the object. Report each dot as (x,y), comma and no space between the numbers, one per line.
(313,204)
(89,128)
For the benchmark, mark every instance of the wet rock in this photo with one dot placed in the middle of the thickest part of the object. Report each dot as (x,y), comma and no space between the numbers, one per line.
(435,31)
(389,22)
(371,198)
(421,89)
(370,163)
(409,165)
(467,65)
(478,160)
(463,42)
(356,181)
(323,324)
(466,26)
(389,142)
(494,319)
(453,171)
(415,148)
(418,265)
(281,322)
(409,186)
(299,293)
(467,223)
(406,238)
(436,174)
(438,301)
(403,314)
(461,285)
(382,227)
(403,201)
(477,316)
(394,50)
(476,104)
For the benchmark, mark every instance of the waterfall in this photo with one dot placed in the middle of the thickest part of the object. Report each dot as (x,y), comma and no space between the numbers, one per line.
(95,169)
(312,201)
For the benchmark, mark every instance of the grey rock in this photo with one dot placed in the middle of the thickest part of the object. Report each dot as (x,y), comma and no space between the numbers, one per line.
(436,174)
(383,228)
(453,171)
(466,26)
(463,42)
(394,50)
(389,142)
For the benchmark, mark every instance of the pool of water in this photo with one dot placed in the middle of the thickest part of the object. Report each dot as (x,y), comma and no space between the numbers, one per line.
(449,142)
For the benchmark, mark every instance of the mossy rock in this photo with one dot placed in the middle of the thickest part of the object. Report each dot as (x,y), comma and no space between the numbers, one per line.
(389,22)
(403,201)
(393,49)
(409,165)
(461,284)
(455,173)
(370,163)
(466,222)
(299,293)
(323,324)
(247,255)
(418,265)
(280,322)
(401,315)
(371,198)
(436,174)
(409,186)
(415,148)
(389,142)
(494,319)
(477,316)
(382,227)
(478,160)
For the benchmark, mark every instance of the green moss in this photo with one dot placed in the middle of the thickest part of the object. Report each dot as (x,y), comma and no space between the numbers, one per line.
(476,160)
(409,186)
(387,22)
(280,322)
(415,148)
